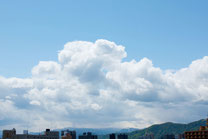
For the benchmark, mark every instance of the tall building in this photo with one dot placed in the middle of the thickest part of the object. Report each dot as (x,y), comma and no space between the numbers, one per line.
(11,134)
(122,136)
(88,135)
(8,134)
(202,133)
(112,136)
(25,131)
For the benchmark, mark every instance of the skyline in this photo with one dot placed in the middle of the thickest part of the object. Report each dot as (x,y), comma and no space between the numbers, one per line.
(102,64)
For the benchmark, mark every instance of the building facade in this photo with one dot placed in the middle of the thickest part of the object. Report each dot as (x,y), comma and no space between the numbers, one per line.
(112,136)
(11,134)
(88,135)
(202,133)
(196,134)
(122,136)
(8,134)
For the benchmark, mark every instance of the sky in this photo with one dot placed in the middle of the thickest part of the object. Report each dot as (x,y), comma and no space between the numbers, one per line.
(102,63)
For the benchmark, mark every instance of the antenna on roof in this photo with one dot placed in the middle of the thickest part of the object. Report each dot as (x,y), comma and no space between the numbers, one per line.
(39,130)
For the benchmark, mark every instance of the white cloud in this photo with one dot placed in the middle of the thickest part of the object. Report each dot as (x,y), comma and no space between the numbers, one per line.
(34,102)
(91,86)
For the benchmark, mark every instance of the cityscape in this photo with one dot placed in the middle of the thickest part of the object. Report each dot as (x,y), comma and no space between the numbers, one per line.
(201,133)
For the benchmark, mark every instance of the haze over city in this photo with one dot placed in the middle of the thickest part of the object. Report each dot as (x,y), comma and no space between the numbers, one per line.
(102,64)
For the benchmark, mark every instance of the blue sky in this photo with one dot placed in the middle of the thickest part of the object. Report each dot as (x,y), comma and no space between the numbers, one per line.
(121,62)
(170,33)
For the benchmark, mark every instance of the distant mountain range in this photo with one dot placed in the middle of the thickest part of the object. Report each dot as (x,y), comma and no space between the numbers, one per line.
(100,131)
(167,128)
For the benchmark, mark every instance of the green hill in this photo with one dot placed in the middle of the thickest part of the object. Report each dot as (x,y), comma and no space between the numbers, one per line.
(167,128)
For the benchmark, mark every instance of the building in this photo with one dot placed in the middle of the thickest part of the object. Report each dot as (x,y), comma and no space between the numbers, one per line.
(112,136)
(25,131)
(88,135)
(168,136)
(8,134)
(11,134)
(202,133)
(147,136)
(196,135)
(122,136)
(67,134)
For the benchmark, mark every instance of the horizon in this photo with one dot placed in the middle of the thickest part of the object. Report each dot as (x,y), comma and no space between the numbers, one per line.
(116,130)
(102,64)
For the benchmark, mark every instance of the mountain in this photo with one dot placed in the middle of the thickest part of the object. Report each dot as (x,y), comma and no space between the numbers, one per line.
(167,128)
(125,130)
(99,131)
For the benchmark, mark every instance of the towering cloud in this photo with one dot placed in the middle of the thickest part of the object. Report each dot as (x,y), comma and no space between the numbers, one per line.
(90,86)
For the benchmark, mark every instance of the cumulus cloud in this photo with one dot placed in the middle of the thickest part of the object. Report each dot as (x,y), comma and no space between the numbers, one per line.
(91,86)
